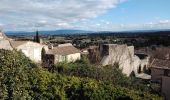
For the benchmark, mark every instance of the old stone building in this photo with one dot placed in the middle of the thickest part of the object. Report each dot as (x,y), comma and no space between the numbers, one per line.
(62,53)
(125,57)
(160,73)
(30,49)
(165,89)
(160,68)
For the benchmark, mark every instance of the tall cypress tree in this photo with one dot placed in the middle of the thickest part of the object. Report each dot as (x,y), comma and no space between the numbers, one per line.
(37,38)
(43,52)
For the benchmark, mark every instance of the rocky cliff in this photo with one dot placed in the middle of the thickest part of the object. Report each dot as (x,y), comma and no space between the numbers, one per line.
(124,56)
(4,42)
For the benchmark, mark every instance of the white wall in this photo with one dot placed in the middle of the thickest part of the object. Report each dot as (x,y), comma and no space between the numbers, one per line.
(67,58)
(59,58)
(73,57)
(31,50)
(4,44)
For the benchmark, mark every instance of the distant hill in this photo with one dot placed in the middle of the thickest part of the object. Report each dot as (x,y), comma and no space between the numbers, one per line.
(70,31)
(53,32)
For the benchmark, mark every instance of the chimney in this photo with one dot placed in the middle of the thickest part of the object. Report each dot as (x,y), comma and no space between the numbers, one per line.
(50,47)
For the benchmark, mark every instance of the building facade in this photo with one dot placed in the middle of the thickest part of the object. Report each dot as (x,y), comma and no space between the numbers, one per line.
(62,53)
(30,49)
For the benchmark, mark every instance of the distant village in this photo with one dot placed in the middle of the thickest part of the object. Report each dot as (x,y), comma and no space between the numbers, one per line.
(145,63)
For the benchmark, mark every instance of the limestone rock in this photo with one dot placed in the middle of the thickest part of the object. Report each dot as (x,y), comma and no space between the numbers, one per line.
(124,56)
(4,42)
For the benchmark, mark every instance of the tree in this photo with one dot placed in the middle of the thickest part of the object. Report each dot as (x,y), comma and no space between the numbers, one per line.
(43,52)
(37,38)
(21,79)
(15,69)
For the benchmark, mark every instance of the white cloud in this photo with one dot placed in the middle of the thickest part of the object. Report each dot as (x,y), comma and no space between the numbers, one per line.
(164,22)
(56,14)
(111,26)
(51,13)
(160,24)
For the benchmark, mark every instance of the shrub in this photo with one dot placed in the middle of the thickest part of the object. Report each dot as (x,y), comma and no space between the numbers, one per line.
(60,87)
(108,74)
(83,68)
(21,79)
(15,70)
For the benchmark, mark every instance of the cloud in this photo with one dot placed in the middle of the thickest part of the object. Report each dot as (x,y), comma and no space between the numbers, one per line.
(160,24)
(104,25)
(51,13)
(56,14)
(164,22)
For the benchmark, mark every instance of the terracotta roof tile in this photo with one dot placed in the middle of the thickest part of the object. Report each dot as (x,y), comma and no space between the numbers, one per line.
(66,50)
(17,43)
(161,63)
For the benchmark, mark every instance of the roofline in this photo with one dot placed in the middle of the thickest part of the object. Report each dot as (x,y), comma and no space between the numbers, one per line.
(62,54)
(161,67)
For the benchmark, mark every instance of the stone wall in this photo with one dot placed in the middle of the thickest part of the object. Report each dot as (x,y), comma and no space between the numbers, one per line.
(4,42)
(67,58)
(73,57)
(165,87)
(124,56)
(31,50)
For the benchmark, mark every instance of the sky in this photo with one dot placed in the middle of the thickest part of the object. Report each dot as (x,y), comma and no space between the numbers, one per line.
(93,15)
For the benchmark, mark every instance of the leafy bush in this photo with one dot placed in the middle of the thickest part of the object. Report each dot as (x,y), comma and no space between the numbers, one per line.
(108,74)
(82,68)
(60,87)
(15,70)
(21,79)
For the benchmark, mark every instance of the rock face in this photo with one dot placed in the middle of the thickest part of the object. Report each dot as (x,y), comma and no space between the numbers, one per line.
(2,36)
(124,56)
(4,42)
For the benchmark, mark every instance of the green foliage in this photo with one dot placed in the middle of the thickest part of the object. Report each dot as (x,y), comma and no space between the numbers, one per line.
(83,68)
(55,86)
(37,37)
(108,74)
(21,79)
(43,52)
(15,69)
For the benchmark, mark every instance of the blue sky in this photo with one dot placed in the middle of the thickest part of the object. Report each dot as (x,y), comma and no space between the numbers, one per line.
(139,11)
(95,15)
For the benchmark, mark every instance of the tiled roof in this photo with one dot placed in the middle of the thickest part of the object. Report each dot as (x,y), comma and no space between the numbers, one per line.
(159,63)
(65,50)
(17,43)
